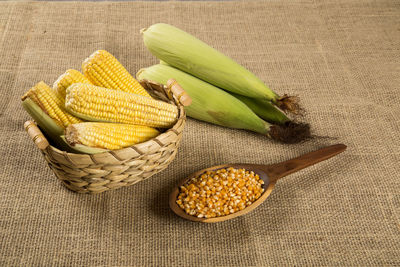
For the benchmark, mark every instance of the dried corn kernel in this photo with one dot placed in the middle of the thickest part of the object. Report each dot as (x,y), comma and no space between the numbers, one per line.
(220,193)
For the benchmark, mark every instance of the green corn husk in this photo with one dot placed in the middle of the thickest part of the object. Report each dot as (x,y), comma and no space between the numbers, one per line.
(189,54)
(263,108)
(53,131)
(216,106)
(47,124)
(207,100)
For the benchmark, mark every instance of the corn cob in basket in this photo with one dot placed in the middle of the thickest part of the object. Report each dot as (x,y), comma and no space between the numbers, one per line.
(95,103)
(107,118)
(72,134)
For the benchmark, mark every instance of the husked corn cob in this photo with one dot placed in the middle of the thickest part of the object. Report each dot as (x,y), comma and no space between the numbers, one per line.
(108,135)
(48,125)
(51,103)
(53,131)
(104,70)
(95,103)
(69,77)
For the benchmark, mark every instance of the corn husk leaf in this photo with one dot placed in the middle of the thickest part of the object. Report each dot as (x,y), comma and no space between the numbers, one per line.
(189,54)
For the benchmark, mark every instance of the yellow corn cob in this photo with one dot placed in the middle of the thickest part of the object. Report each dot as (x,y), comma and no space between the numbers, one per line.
(53,131)
(108,135)
(51,103)
(69,77)
(95,103)
(104,70)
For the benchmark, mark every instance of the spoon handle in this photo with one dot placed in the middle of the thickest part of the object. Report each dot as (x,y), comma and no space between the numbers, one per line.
(279,170)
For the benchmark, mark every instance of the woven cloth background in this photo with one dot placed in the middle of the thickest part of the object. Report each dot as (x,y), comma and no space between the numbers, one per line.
(342,58)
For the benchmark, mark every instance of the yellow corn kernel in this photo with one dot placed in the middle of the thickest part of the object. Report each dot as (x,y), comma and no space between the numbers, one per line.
(108,135)
(51,103)
(69,77)
(95,103)
(104,70)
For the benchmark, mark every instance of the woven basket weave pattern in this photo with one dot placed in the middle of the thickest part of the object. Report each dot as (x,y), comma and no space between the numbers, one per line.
(84,173)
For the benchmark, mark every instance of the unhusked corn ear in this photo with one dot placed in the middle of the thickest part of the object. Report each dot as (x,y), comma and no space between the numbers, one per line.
(94,103)
(108,135)
(210,103)
(262,107)
(104,70)
(51,103)
(191,55)
(69,77)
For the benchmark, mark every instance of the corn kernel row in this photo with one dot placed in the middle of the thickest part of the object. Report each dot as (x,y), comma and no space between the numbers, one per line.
(220,193)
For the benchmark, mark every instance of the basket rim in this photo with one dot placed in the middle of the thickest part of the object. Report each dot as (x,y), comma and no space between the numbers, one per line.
(174,128)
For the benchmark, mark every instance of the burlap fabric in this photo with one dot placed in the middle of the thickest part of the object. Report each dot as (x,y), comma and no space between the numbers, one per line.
(341,58)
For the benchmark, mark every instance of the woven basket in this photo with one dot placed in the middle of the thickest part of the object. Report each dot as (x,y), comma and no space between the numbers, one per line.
(84,173)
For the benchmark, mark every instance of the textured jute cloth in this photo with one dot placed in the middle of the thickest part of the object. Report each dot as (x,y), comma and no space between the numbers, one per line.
(341,58)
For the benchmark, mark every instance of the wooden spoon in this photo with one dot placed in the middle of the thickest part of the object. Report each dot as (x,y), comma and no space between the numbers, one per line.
(268,173)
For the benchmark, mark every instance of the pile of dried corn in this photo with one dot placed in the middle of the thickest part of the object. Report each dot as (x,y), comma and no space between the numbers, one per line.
(220,193)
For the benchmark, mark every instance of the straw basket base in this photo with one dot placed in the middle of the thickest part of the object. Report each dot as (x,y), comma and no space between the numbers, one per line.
(94,184)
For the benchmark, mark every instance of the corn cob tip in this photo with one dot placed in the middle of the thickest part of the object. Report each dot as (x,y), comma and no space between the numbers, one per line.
(97,56)
(30,91)
(102,69)
(290,133)
(70,76)
(70,135)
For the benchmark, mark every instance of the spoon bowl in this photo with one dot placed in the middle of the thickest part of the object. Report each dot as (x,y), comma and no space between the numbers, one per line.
(268,173)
